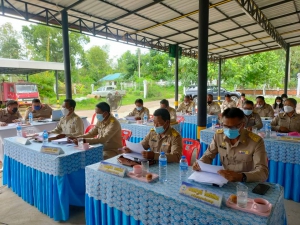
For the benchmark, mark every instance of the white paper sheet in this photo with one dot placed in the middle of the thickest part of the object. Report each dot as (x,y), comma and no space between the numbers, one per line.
(130,118)
(60,141)
(209,168)
(133,156)
(135,147)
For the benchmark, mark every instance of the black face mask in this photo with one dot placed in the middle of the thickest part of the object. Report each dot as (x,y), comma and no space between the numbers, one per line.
(209,102)
(14,110)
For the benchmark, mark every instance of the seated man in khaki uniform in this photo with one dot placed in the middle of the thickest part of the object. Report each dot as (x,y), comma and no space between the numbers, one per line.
(164,104)
(70,124)
(289,121)
(241,101)
(107,130)
(139,110)
(252,119)
(162,138)
(213,108)
(242,152)
(10,114)
(262,108)
(39,111)
(187,105)
(228,103)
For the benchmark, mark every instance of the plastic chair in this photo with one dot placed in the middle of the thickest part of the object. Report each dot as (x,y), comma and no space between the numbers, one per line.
(90,127)
(189,145)
(93,118)
(126,135)
(180,119)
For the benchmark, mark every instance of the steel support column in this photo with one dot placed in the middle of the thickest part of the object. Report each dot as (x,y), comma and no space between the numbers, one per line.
(219,81)
(176,76)
(66,49)
(56,88)
(287,68)
(202,64)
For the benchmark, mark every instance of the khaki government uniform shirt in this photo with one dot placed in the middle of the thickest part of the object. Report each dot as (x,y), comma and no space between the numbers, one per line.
(44,112)
(71,125)
(213,108)
(173,116)
(170,143)
(254,121)
(226,105)
(109,134)
(141,113)
(283,120)
(186,108)
(6,117)
(247,156)
(265,111)
(240,103)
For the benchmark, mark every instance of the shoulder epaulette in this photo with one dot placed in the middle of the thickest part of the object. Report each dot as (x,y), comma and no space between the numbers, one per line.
(220,131)
(174,132)
(254,136)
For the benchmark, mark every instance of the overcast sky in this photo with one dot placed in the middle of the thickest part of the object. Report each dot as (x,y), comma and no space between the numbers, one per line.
(116,49)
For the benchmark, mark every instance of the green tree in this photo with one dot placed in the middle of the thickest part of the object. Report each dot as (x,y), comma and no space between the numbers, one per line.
(10,46)
(128,65)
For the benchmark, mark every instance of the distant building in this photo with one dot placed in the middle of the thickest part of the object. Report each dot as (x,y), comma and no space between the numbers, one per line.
(110,79)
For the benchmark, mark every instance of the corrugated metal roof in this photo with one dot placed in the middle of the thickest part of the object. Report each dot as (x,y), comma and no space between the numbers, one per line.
(111,77)
(231,30)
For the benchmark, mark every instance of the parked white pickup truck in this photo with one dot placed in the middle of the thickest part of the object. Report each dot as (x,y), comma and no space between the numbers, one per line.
(104,91)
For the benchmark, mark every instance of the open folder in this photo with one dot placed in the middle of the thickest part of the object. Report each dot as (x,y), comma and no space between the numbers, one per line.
(208,175)
(136,151)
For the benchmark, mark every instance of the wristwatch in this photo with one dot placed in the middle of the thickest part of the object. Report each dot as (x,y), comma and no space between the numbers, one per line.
(244,179)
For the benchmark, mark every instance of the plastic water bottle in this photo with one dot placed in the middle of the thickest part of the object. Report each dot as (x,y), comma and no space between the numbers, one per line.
(268,130)
(213,122)
(19,131)
(45,137)
(145,118)
(193,111)
(117,115)
(183,167)
(30,117)
(162,167)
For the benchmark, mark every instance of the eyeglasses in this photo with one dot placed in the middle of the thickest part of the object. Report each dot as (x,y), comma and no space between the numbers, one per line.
(233,127)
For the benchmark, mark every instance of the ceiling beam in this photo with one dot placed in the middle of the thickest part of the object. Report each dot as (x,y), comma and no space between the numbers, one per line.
(67,8)
(250,8)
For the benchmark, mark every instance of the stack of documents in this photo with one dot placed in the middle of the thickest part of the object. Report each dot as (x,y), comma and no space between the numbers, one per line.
(208,175)
(61,141)
(136,151)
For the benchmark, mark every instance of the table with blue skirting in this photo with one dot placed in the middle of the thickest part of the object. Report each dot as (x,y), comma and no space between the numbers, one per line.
(125,201)
(140,131)
(189,127)
(49,182)
(284,162)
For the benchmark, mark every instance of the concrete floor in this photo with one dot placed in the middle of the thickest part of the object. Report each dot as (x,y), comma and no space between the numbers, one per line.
(14,211)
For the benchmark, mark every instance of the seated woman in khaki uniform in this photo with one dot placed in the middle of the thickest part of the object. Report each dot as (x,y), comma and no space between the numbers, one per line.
(242,152)
(162,138)
(289,121)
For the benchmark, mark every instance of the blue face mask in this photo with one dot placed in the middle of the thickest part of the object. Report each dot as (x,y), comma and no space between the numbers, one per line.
(231,133)
(139,108)
(159,130)
(100,117)
(247,112)
(37,107)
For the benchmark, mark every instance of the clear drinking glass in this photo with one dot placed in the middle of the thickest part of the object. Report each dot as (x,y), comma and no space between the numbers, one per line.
(254,130)
(242,195)
(145,167)
(80,142)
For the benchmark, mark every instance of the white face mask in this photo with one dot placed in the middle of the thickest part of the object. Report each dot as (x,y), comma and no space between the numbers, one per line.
(65,111)
(259,106)
(186,103)
(278,103)
(288,109)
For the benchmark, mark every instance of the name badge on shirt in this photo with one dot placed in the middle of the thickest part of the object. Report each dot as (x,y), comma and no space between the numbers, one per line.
(154,140)
(165,144)
(223,145)
(244,152)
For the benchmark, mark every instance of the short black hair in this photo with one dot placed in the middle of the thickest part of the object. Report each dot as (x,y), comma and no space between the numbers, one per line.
(11,102)
(187,96)
(284,96)
(228,95)
(71,102)
(103,106)
(165,102)
(210,95)
(164,113)
(233,113)
(139,101)
(243,94)
(248,102)
(292,100)
(260,97)
(36,100)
